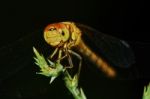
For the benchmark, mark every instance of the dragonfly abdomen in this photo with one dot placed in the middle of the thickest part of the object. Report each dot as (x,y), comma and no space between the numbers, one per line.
(101,63)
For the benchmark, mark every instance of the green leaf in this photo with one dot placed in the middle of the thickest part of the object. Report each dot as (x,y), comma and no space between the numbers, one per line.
(146,93)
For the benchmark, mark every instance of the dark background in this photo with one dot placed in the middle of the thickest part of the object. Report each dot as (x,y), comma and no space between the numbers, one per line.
(128,20)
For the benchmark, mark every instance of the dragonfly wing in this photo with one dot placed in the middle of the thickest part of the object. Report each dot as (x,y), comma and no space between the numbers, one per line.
(17,55)
(117,52)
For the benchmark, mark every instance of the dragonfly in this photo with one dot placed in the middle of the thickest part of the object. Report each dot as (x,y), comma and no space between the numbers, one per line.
(64,36)
(105,51)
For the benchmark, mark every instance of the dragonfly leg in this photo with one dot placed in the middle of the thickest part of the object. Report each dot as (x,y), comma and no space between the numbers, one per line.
(80,63)
(69,60)
(60,57)
(54,52)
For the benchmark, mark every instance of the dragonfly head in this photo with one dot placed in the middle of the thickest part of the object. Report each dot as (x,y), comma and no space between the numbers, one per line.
(63,33)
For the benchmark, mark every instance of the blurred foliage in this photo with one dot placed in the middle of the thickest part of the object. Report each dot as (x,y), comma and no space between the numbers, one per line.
(146,93)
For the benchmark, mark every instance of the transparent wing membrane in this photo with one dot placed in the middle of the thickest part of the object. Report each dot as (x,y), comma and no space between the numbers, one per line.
(17,55)
(117,52)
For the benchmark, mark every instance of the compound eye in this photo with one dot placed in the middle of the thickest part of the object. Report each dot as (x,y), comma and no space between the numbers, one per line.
(52,29)
(63,33)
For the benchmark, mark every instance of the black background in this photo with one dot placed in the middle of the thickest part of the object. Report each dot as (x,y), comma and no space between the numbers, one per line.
(128,20)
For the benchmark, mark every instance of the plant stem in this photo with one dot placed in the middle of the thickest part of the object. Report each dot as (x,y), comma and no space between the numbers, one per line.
(54,69)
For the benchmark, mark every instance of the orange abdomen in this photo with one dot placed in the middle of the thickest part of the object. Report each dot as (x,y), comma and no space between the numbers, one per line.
(101,63)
